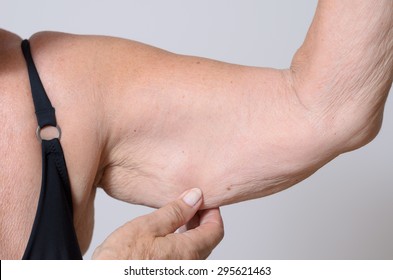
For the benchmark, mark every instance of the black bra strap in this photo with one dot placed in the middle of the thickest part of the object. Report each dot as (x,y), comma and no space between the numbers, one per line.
(43,108)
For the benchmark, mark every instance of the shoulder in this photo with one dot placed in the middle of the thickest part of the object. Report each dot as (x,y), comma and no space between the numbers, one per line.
(111,61)
(97,46)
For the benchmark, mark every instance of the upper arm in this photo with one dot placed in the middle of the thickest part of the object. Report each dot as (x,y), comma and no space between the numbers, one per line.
(179,121)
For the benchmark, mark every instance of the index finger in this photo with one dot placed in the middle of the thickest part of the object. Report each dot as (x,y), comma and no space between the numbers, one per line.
(208,234)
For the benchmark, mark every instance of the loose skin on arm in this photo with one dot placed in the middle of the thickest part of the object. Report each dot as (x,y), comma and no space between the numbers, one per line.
(145,124)
(237,132)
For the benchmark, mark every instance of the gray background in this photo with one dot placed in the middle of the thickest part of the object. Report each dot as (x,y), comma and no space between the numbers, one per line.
(344,211)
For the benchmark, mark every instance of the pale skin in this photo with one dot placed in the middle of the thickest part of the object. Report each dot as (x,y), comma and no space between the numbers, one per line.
(146,125)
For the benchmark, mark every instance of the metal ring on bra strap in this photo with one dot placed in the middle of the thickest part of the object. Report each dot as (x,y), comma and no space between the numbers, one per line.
(38,132)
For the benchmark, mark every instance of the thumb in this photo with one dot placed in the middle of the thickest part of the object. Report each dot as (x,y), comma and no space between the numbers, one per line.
(169,218)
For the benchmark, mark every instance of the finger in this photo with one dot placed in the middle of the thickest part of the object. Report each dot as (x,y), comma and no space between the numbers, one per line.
(169,218)
(210,221)
(210,216)
(193,223)
(204,238)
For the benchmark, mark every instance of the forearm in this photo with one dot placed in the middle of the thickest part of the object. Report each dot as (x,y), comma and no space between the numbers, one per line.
(344,69)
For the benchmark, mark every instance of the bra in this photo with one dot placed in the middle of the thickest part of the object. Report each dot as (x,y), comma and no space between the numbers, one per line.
(53,234)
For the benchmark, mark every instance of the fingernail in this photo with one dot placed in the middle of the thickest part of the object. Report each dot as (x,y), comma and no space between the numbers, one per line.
(192,197)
